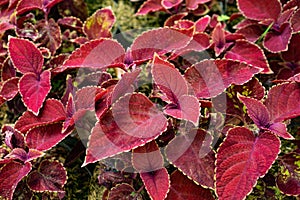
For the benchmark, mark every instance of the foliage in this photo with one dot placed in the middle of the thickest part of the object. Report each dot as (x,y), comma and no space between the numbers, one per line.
(211,101)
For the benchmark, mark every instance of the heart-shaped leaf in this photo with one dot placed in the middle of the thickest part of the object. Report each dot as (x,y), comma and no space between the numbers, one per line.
(241,159)
(191,153)
(260,10)
(150,42)
(25,56)
(50,176)
(209,78)
(34,88)
(99,24)
(98,54)
(148,161)
(10,175)
(53,111)
(250,53)
(43,138)
(183,188)
(133,121)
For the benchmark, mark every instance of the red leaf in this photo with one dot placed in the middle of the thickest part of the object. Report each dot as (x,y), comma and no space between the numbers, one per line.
(277,41)
(209,78)
(173,18)
(99,24)
(202,23)
(71,23)
(295,21)
(250,53)
(193,4)
(43,138)
(9,89)
(150,42)
(183,188)
(50,34)
(50,176)
(10,175)
(150,6)
(293,53)
(8,71)
(34,89)
(122,191)
(133,121)
(85,98)
(53,111)
(167,4)
(168,79)
(25,56)
(241,159)
(96,54)
(288,181)
(24,156)
(190,152)
(125,85)
(218,38)
(282,102)
(260,10)
(25,6)
(148,161)
(251,32)
(13,139)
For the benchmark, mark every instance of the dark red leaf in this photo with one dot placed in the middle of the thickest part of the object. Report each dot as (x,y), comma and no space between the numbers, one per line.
(241,159)
(209,78)
(281,102)
(13,139)
(7,71)
(277,41)
(34,89)
(85,98)
(288,181)
(148,161)
(122,191)
(168,79)
(150,42)
(9,88)
(25,56)
(48,4)
(133,121)
(45,137)
(293,53)
(250,53)
(99,24)
(50,34)
(260,10)
(95,54)
(150,6)
(218,38)
(25,6)
(295,21)
(10,175)
(251,32)
(183,188)
(53,111)
(295,78)
(50,176)
(24,156)
(125,85)
(191,153)
(71,23)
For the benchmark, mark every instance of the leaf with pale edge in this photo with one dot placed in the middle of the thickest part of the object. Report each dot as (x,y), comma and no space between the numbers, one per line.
(241,159)
(122,191)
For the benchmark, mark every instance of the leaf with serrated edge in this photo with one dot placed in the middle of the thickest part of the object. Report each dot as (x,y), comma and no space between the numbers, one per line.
(190,152)
(9,89)
(25,56)
(10,175)
(209,78)
(184,189)
(50,176)
(53,111)
(133,121)
(241,159)
(34,90)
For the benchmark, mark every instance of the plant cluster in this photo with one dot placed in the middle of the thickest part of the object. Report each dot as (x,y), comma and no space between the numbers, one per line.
(199,108)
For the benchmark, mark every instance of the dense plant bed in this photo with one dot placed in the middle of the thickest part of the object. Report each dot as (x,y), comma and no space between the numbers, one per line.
(155,99)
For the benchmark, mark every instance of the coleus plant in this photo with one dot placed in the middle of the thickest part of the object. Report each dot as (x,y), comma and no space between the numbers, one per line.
(161,102)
